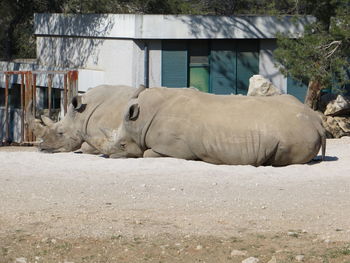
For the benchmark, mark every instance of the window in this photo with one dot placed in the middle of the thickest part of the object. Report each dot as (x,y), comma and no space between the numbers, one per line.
(216,66)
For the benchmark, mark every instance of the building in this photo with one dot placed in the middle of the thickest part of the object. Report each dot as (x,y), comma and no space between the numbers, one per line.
(216,54)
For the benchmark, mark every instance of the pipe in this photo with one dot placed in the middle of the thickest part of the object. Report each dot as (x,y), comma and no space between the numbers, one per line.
(146,66)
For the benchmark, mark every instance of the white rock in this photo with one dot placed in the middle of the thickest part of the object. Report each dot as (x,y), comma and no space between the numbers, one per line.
(299,258)
(199,247)
(251,260)
(340,105)
(238,253)
(292,234)
(259,86)
(20,260)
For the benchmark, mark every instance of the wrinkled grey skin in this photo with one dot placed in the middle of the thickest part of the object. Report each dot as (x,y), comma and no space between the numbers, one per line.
(87,116)
(219,129)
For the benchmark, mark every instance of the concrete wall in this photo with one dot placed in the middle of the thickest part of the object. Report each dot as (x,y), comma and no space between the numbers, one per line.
(267,66)
(168,26)
(155,63)
(109,61)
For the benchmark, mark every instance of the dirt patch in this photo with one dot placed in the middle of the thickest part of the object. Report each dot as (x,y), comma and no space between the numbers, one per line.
(84,208)
(280,247)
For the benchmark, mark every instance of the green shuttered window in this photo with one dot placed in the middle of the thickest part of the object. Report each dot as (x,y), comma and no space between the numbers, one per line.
(216,66)
(174,63)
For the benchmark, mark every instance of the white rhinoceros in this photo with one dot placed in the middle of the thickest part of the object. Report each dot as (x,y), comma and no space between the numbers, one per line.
(220,129)
(87,115)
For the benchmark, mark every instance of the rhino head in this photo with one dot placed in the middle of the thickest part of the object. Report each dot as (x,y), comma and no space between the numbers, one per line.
(120,144)
(62,136)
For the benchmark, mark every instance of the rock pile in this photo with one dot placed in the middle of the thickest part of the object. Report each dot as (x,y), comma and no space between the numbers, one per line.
(336,118)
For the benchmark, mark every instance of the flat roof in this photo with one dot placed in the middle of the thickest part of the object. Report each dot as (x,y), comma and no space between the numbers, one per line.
(133,26)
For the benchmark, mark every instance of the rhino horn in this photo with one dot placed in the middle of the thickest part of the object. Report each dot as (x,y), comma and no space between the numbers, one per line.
(47,121)
(33,123)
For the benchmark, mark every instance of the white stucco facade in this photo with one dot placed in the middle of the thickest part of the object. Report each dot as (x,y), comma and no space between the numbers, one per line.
(110,49)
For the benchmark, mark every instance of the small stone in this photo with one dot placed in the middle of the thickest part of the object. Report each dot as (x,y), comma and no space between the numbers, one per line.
(238,253)
(299,258)
(53,241)
(292,234)
(272,260)
(327,241)
(20,260)
(173,189)
(251,260)
(199,247)
(263,207)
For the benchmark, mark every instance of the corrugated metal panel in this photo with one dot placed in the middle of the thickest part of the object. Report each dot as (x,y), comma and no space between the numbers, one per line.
(174,64)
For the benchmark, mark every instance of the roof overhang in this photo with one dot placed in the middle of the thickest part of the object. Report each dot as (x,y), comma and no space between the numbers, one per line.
(132,26)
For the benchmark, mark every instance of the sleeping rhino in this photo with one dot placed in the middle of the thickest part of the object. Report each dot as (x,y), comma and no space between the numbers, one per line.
(87,115)
(219,129)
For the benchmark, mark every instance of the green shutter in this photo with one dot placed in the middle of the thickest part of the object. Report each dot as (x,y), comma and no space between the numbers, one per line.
(174,63)
(297,89)
(199,64)
(223,67)
(247,63)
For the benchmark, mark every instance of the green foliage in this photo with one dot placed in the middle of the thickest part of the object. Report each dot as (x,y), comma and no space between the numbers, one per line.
(322,53)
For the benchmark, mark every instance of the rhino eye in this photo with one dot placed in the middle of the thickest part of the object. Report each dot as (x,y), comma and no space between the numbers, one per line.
(122,146)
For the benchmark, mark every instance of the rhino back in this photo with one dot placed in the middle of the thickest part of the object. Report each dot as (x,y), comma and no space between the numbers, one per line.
(234,129)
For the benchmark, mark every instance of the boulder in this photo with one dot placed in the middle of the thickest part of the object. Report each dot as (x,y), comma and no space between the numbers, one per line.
(336,127)
(338,107)
(260,86)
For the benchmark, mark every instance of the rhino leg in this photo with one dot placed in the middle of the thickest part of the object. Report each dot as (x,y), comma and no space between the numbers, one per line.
(152,154)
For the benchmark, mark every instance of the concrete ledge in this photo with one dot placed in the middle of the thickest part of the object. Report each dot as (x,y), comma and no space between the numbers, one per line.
(168,26)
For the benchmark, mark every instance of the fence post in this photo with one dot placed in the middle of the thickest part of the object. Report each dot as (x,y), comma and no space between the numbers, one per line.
(7,124)
(65,94)
(22,107)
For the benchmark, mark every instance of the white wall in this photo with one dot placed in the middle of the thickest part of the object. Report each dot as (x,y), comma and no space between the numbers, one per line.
(267,67)
(155,63)
(167,26)
(118,59)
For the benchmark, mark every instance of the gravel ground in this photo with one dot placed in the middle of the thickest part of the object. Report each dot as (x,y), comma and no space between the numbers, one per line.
(70,196)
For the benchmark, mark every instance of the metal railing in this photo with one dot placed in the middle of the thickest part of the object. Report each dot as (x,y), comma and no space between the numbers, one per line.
(28,83)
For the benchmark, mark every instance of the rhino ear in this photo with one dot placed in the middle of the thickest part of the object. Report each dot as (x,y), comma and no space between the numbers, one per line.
(138,91)
(77,103)
(47,121)
(133,113)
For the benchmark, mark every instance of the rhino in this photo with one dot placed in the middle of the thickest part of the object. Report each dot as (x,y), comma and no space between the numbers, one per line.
(219,129)
(82,127)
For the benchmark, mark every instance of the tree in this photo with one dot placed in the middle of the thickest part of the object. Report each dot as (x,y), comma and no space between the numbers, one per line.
(321,56)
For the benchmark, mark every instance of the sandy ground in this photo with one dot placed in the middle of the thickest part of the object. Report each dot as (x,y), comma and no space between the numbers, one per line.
(71,196)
